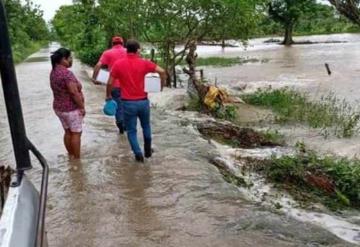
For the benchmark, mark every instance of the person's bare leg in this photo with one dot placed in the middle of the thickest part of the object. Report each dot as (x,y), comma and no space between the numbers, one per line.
(67,142)
(76,144)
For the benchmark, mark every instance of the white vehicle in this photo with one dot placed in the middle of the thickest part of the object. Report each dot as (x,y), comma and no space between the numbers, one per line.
(23,216)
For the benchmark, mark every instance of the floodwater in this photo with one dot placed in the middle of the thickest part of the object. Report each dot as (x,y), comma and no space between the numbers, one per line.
(177,198)
(298,65)
(301,67)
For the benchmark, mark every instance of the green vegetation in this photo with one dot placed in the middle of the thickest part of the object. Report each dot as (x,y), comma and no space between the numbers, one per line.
(78,27)
(87,26)
(218,61)
(335,182)
(171,26)
(225,61)
(227,112)
(315,18)
(273,136)
(22,52)
(230,177)
(324,19)
(350,9)
(287,13)
(27,29)
(331,115)
(194,104)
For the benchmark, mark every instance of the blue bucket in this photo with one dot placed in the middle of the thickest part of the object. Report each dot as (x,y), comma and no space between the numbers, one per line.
(110,107)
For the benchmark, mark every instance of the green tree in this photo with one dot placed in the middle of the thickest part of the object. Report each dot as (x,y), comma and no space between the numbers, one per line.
(27,27)
(323,19)
(167,24)
(78,27)
(124,17)
(320,19)
(288,13)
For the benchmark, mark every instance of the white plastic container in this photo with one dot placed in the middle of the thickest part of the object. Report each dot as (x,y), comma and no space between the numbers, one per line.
(152,83)
(103,76)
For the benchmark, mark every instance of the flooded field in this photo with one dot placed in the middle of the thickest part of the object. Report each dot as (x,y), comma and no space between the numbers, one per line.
(177,198)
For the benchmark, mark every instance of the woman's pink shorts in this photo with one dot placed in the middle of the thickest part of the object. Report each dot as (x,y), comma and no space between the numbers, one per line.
(72,120)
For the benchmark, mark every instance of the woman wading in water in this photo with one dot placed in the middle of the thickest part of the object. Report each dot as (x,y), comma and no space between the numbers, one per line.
(68,101)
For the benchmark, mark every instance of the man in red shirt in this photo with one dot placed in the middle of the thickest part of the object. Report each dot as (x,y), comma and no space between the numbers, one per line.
(108,59)
(130,72)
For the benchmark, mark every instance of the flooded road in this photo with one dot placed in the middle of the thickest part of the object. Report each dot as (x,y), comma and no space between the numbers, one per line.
(177,198)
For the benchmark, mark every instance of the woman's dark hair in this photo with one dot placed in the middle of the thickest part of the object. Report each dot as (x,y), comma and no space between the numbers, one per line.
(132,46)
(58,55)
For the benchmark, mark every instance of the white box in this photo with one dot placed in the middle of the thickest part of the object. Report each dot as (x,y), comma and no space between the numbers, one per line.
(152,83)
(103,76)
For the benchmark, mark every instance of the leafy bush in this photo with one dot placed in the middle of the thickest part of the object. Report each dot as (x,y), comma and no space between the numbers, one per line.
(90,55)
(27,29)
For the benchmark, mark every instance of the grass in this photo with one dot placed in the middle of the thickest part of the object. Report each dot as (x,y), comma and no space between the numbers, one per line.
(330,114)
(231,178)
(225,61)
(21,52)
(212,61)
(194,104)
(226,112)
(273,136)
(336,183)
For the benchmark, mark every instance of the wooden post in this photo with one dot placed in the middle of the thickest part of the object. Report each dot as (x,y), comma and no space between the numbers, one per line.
(328,68)
(174,77)
(152,54)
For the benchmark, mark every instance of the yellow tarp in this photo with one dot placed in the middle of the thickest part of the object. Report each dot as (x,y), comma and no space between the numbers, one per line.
(213,94)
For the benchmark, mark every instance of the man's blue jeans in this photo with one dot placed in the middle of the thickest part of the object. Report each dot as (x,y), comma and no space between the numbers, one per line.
(133,110)
(116,95)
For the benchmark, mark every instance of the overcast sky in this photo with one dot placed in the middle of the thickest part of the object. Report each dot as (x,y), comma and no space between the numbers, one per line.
(50,6)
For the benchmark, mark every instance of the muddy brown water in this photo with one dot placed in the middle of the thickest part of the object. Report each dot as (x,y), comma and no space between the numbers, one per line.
(299,65)
(177,198)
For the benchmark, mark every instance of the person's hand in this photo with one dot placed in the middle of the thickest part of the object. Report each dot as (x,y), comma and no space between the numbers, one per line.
(95,81)
(83,112)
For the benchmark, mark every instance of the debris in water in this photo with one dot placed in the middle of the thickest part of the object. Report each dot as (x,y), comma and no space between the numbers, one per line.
(328,68)
(5,179)
(234,135)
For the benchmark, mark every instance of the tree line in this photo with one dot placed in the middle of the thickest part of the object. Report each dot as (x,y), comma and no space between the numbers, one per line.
(171,26)
(27,28)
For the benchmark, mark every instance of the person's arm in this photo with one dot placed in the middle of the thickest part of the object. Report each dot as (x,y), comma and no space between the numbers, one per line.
(96,72)
(72,88)
(162,74)
(109,87)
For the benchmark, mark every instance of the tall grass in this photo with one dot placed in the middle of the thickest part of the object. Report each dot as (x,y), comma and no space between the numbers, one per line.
(330,114)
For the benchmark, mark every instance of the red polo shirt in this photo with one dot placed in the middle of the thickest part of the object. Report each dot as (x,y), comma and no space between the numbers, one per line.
(131,72)
(109,57)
